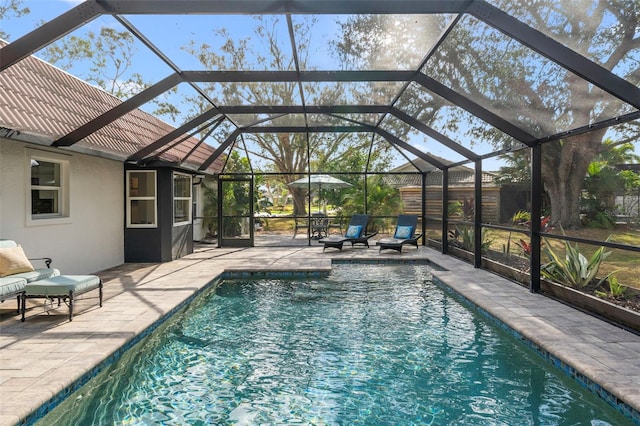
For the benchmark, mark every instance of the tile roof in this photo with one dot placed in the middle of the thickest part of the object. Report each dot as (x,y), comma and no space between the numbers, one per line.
(459,175)
(46,103)
(434,178)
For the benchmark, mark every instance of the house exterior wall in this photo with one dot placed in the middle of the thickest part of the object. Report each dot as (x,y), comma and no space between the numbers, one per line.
(91,238)
(164,241)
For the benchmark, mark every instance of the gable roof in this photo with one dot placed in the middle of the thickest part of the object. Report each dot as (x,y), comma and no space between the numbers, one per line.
(458,175)
(41,103)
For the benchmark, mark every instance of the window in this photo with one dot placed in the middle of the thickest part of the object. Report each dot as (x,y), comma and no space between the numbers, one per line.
(49,189)
(181,199)
(141,199)
(195,209)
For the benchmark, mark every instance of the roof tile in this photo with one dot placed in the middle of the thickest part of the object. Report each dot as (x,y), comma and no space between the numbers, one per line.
(42,99)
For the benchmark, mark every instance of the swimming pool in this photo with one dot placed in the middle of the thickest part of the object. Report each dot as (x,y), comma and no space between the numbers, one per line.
(368,345)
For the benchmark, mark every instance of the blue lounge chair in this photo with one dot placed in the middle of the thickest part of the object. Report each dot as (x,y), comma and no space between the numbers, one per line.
(356,234)
(405,234)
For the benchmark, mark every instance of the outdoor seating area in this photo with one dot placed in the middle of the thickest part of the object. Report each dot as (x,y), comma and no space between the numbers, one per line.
(19,279)
(497,139)
(405,234)
(356,233)
(138,295)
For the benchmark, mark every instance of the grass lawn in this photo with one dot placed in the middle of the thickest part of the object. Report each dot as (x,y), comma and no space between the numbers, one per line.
(625,264)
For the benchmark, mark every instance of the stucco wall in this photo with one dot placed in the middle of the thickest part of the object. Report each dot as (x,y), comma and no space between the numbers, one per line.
(92,237)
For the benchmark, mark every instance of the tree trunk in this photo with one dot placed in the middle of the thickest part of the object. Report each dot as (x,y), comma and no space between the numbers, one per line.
(299,201)
(564,168)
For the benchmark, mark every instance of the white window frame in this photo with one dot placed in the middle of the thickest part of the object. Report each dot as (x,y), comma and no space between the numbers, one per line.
(189,199)
(63,214)
(195,201)
(131,198)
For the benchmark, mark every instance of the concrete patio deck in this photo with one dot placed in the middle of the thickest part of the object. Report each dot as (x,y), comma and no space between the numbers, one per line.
(46,354)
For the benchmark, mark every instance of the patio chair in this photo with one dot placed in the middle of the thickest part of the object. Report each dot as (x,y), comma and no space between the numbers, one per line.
(16,270)
(319,225)
(300,223)
(336,223)
(405,234)
(356,234)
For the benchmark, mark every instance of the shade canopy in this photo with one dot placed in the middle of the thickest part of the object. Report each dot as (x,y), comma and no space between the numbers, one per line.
(319,181)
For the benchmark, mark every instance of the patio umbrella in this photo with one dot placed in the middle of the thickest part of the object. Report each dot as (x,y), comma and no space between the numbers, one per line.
(318,182)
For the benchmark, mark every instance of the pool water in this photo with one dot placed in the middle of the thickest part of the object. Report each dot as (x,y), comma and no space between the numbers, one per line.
(370,345)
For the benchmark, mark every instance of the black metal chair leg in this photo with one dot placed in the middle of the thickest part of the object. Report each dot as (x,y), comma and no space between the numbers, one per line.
(70,305)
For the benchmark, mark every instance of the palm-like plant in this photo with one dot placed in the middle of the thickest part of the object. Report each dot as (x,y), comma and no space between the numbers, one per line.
(575,269)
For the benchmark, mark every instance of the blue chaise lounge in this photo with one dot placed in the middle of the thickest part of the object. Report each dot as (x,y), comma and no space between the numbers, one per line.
(405,234)
(356,234)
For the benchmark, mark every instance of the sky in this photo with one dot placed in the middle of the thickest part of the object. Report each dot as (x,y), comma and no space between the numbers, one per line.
(183,29)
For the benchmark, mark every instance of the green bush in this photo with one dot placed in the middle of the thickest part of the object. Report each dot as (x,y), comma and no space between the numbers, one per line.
(601,220)
(465,236)
(520,217)
(616,290)
(575,269)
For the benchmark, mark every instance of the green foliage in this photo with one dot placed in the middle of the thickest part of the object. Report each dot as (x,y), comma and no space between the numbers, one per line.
(601,220)
(383,200)
(235,199)
(517,168)
(575,270)
(604,179)
(454,208)
(108,56)
(10,8)
(521,217)
(468,208)
(210,208)
(465,236)
(616,290)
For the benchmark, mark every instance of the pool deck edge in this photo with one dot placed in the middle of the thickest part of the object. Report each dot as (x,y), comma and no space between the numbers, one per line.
(46,354)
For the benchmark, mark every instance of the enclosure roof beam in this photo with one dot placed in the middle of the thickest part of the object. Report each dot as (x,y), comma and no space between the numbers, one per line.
(118,111)
(144,40)
(444,140)
(166,139)
(302,7)
(394,140)
(348,129)
(91,9)
(557,52)
(312,129)
(49,32)
(218,152)
(293,76)
(213,126)
(299,109)
(474,108)
(616,121)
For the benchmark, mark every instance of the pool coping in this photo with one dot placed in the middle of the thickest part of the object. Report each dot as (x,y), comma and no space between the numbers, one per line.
(615,384)
(574,373)
(119,352)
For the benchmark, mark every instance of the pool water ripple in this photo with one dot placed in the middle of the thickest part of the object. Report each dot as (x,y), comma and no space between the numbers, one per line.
(374,345)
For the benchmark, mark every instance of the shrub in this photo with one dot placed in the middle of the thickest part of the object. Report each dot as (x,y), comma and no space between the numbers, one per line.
(521,217)
(574,270)
(601,220)
(467,238)
(526,247)
(616,290)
